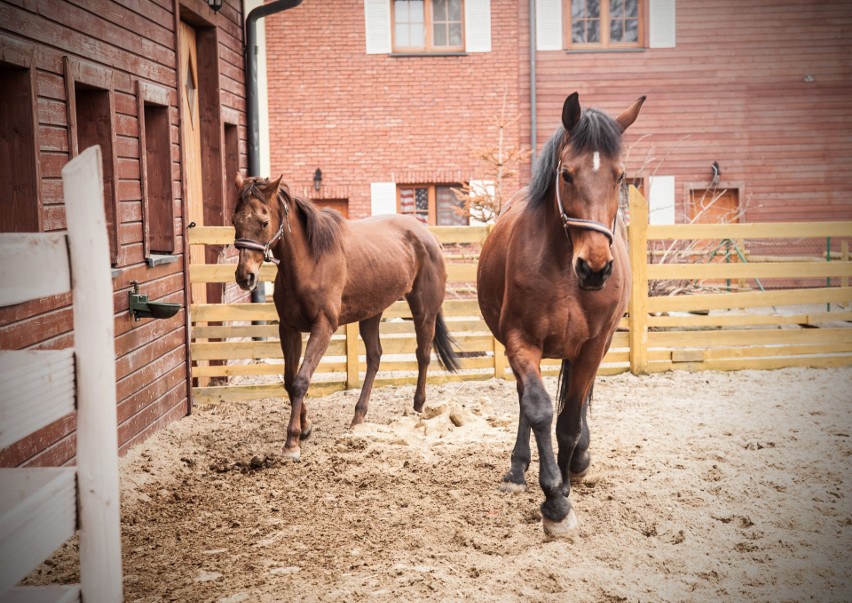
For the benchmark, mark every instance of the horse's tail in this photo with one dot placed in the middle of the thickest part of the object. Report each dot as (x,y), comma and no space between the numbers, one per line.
(562,387)
(445,346)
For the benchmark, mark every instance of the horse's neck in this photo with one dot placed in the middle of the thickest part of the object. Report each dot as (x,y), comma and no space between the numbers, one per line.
(549,220)
(292,248)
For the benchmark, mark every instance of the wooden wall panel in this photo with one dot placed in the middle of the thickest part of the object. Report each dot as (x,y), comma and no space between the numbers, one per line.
(733,90)
(132,41)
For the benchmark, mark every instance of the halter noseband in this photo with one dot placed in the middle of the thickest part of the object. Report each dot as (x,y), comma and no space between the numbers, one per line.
(265,248)
(567,221)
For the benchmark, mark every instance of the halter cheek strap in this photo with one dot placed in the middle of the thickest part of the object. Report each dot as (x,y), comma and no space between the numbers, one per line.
(265,248)
(569,222)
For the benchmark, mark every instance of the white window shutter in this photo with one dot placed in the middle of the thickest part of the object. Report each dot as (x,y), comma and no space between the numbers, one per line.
(477,25)
(661,200)
(382,198)
(661,23)
(378,26)
(548,24)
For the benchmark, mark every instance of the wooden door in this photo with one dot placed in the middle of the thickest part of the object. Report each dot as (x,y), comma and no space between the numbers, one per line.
(716,206)
(191,145)
(341,205)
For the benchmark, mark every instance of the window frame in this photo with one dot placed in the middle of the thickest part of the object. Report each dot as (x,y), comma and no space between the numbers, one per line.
(429,33)
(151,95)
(18,56)
(432,200)
(96,77)
(605,43)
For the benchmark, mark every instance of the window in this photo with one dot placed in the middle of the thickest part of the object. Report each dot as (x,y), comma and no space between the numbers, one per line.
(428,26)
(158,213)
(91,120)
(18,157)
(433,204)
(605,24)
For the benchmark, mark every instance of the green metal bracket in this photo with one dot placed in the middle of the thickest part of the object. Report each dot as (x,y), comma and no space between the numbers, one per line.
(140,307)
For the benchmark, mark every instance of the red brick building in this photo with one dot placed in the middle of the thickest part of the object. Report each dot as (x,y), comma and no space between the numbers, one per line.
(384,94)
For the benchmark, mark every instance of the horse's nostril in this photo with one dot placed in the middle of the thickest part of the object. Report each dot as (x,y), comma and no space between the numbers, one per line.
(607,270)
(583,269)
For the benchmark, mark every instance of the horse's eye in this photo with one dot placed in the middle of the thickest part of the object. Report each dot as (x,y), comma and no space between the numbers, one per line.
(621,178)
(566,176)
(265,223)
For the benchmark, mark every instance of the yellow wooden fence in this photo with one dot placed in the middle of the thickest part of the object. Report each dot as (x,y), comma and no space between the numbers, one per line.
(753,329)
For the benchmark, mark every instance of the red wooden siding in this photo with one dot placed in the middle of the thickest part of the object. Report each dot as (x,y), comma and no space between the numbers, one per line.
(135,43)
(733,90)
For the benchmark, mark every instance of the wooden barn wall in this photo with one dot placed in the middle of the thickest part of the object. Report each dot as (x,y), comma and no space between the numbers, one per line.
(134,41)
(733,90)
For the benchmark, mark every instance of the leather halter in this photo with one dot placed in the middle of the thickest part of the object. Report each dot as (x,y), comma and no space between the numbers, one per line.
(264,248)
(568,221)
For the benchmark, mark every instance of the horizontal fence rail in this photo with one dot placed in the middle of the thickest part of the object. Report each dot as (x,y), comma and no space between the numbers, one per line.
(704,329)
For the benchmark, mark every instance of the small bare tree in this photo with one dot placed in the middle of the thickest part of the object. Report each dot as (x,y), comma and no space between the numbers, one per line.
(688,251)
(483,199)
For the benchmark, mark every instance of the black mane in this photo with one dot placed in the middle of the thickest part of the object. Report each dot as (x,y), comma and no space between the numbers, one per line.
(596,131)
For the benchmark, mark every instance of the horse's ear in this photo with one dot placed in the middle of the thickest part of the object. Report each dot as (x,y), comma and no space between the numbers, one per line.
(629,116)
(571,111)
(239,182)
(270,187)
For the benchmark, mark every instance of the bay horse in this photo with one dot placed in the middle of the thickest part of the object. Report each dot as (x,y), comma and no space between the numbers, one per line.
(332,271)
(553,282)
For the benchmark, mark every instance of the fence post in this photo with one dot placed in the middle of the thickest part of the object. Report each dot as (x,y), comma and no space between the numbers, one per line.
(352,374)
(499,358)
(638,308)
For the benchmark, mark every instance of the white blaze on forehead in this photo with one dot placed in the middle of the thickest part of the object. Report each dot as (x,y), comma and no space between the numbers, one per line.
(596,161)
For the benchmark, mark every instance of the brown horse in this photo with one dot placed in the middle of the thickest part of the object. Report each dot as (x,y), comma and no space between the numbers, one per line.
(553,282)
(332,272)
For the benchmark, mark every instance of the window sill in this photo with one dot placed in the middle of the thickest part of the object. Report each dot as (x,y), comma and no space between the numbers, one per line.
(602,50)
(156,259)
(408,55)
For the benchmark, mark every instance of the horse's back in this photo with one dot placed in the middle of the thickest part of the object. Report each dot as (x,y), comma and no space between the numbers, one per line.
(386,257)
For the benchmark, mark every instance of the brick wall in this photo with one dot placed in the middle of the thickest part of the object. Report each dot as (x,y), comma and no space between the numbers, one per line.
(377,118)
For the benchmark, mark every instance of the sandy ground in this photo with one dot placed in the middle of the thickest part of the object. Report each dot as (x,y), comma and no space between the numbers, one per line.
(703,487)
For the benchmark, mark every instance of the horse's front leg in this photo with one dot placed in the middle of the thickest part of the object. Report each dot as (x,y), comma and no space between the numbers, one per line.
(321,333)
(572,429)
(537,410)
(291,345)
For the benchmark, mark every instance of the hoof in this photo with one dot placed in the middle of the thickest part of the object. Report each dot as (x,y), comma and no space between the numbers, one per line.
(560,529)
(576,478)
(291,454)
(306,432)
(512,487)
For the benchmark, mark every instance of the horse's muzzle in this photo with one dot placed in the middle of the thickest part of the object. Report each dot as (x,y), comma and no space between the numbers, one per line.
(246,281)
(589,279)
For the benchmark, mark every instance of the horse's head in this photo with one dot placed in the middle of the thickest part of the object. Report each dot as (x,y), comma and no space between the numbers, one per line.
(588,178)
(258,225)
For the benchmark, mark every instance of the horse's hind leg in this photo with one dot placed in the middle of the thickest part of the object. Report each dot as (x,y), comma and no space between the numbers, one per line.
(514,480)
(424,327)
(369,329)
